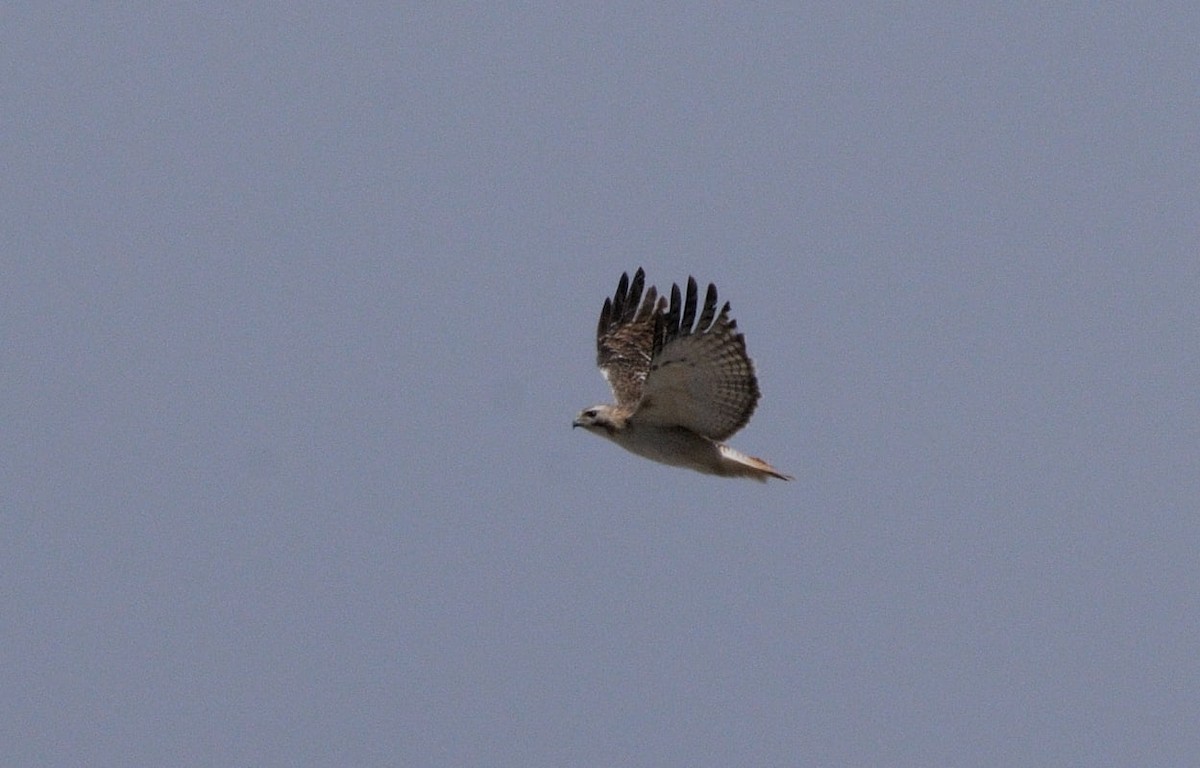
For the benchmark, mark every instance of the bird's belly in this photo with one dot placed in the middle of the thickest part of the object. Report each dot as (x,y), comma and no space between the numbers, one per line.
(674,446)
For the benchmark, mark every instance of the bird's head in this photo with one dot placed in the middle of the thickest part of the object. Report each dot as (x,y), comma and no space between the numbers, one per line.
(601,419)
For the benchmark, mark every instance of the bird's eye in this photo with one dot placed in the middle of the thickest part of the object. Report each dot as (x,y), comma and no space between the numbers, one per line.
(591,414)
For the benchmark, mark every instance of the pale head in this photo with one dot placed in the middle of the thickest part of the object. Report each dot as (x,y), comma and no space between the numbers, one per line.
(601,419)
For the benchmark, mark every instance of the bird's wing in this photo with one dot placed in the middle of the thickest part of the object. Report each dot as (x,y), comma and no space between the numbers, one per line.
(625,337)
(699,375)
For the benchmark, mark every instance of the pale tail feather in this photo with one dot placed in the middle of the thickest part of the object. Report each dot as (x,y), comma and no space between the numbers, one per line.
(737,464)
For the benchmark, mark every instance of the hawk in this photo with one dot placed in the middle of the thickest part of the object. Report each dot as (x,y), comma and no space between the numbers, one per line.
(682,385)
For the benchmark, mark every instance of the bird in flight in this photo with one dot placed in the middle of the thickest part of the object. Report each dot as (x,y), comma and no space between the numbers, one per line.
(682,386)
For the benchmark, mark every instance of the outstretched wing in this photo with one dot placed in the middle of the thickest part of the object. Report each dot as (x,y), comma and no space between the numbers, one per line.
(700,376)
(625,337)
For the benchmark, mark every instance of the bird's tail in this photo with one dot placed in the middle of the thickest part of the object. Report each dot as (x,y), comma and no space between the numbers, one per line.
(737,464)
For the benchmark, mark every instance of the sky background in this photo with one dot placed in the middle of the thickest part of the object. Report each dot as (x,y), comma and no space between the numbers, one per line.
(298,303)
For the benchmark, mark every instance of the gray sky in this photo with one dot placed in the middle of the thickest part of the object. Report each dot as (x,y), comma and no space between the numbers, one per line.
(298,305)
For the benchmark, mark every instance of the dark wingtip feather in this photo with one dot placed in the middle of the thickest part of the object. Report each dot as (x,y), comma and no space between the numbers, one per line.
(710,309)
(605,317)
(618,302)
(635,294)
(689,308)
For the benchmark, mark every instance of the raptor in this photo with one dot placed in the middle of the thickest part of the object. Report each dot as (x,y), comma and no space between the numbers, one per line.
(682,385)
